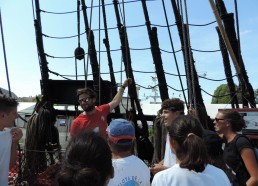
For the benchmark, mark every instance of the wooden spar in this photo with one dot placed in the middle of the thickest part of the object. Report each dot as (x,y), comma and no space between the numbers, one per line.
(129,72)
(228,72)
(225,38)
(184,36)
(156,54)
(245,86)
(43,60)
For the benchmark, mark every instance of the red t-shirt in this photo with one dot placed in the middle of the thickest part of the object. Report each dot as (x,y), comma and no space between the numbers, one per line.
(97,122)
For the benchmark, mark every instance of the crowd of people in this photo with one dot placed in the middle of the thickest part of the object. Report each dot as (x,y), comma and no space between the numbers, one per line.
(102,154)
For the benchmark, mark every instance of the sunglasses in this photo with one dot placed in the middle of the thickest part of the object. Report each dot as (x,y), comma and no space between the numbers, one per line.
(84,100)
(217,119)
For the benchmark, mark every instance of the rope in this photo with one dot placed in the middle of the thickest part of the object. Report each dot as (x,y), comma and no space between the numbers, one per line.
(125,32)
(5,59)
(133,49)
(126,51)
(171,43)
(96,6)
(88,42)
(238,32)
(99,54)
(134,26)
(38,135)
(113,28)
(139,71)
(186,43)
(78,22)
(33,11)
(218,96)
(225,38)
(190,61)
(78,29)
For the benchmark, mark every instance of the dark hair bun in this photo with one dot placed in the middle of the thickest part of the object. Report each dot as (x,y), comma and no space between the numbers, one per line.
(84,176)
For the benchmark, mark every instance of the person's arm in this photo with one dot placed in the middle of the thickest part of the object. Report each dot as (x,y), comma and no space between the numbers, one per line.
(155,168)
(16,136)
(118,97)
(249,159)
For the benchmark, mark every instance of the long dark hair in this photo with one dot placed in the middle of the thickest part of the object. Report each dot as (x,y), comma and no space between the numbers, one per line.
(187,131)
(87,161)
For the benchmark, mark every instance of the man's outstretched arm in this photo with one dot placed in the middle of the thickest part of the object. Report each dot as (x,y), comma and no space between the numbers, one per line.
(118,97)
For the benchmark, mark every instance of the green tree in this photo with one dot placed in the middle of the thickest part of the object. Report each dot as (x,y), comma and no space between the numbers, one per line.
(222,95)
(256,95)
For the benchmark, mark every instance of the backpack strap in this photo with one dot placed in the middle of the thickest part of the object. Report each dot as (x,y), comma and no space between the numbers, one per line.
(254,148)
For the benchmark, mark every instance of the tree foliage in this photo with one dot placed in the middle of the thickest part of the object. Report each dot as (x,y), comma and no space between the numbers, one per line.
(222,95)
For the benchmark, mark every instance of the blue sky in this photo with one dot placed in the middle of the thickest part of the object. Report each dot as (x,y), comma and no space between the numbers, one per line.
(22,58)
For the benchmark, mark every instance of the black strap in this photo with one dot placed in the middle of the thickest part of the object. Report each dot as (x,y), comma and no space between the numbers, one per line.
(255,150)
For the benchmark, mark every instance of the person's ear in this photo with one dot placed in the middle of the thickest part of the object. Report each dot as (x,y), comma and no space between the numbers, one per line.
(227,123)
(178,113)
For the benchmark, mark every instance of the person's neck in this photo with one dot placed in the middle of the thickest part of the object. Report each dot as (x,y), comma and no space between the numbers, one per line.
(230,136)
(121,155)
(90,113)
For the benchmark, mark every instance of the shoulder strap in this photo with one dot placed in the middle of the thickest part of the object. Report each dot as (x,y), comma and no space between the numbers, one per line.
(235,141)
(254,148)
(238,136)
(256,154)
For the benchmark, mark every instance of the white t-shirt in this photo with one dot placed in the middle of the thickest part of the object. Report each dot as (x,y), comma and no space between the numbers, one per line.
(169,157)
(5,154)
(176,175)
(130,171)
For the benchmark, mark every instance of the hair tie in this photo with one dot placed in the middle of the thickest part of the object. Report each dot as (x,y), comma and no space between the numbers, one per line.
(190,134)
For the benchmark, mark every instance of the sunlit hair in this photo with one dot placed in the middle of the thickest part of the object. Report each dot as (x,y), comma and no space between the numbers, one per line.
(234,118)
(87,91)
(87,161)
(187,132)
(7,103)
(173,104)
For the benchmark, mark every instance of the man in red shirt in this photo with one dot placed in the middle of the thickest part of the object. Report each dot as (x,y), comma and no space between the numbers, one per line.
(94,118)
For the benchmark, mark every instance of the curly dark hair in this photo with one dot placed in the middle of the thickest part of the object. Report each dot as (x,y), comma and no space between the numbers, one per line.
(234,118)
(174,104)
